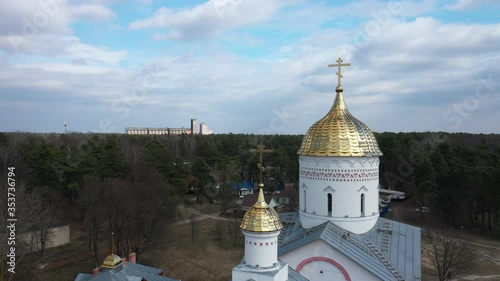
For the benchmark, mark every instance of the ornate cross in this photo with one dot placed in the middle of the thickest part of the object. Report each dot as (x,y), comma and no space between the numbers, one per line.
(260,149)
(339,64)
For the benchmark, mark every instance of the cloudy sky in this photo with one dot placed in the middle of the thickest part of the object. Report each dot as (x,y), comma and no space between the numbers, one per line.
(248,66)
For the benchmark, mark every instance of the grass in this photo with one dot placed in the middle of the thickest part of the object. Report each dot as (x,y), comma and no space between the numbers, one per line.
(205,257)
(208,208)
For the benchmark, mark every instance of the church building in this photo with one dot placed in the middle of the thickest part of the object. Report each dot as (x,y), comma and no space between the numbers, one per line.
(337,233)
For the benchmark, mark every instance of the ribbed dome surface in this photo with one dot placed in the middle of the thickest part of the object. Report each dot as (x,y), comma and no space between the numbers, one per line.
(339,134)
(261,217)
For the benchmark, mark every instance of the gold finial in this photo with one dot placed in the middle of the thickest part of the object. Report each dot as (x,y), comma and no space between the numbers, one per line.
(112,243)
(260,149)
(261,217)
(112,261)
(339,64)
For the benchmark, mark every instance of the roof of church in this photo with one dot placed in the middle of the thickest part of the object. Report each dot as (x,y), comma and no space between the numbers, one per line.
(295,276)
(261,217)
(391,250)
(127,272)
(339,133)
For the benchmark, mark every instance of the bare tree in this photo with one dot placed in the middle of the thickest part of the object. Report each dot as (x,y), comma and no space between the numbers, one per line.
(30,215)
(133,153)
(450,255)
(90,200)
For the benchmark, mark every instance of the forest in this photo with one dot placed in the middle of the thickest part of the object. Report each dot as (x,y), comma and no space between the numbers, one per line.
(126,183)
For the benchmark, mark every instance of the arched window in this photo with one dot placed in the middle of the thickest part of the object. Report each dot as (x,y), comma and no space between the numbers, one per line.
(362,204)
(305,201)
(330,204)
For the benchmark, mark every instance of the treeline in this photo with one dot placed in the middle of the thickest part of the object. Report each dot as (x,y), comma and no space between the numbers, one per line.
(457,175)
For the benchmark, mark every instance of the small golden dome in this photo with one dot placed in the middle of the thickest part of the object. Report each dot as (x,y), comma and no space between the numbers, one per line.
(112,261)
(339,134)
(261,217)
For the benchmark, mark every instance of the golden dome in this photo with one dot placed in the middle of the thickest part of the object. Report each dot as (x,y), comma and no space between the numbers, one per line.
(261,217)
(339,134)
(112,261)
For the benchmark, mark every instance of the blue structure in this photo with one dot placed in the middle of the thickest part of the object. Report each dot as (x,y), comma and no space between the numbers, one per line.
(242,188)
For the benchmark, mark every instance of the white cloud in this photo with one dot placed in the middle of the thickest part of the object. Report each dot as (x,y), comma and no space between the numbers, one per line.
(85,52)
(461,5)
(60,47)
(92,12)
(66,68)
(210,18)
(32,17)
(410,69)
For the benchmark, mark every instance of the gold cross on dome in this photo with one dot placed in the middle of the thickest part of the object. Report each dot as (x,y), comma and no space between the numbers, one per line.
(339,64)
(260,149)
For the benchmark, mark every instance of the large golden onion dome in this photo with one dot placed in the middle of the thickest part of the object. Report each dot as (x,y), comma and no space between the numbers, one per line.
(261,217)
(339,134)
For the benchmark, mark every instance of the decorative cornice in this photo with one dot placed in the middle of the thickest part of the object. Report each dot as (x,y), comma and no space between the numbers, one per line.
(340,163)
(331,175)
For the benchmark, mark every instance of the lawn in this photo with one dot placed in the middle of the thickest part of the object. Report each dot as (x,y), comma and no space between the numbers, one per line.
(205,258)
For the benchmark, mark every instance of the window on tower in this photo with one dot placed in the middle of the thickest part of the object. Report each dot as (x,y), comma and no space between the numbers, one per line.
(329,204)
(362,204)
(305,201)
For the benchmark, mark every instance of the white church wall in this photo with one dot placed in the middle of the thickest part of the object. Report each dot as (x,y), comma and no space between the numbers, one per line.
(346,180)
(319,248)
(261,248)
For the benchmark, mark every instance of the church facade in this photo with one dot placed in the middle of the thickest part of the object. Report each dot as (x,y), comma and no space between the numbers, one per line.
(337,234)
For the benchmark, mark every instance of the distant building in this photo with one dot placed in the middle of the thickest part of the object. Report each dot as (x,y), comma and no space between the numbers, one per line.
(170,131)
(242,189)
(157,131)
(204,129)
(193,126)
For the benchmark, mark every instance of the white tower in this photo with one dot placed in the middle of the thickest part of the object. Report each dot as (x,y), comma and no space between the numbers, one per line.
(339,170)
(261,226)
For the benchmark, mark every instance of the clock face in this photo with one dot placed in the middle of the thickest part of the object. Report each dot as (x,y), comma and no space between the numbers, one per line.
(322,268)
